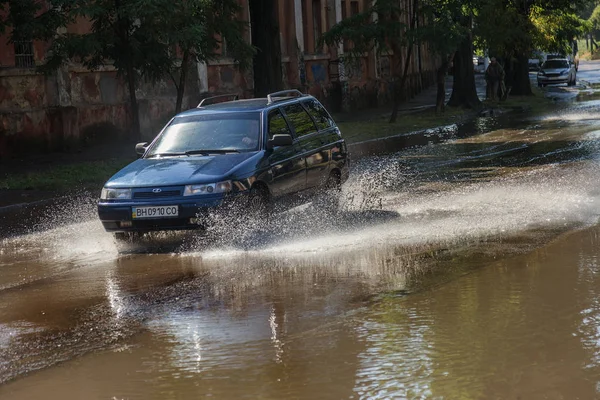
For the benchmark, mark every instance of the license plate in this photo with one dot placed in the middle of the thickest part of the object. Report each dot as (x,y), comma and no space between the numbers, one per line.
(154,212)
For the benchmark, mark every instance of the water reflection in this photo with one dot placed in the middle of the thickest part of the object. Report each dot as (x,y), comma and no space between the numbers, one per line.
(521,328)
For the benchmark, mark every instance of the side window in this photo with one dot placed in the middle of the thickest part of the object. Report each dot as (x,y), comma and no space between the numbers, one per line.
(277,124)
(320,115)
(300,120)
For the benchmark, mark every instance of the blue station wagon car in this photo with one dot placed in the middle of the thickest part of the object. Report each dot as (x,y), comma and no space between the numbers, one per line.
(252,152)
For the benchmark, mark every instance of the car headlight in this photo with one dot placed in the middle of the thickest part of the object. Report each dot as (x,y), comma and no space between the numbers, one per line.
(208,188)
(115,194)
(565,72)
(541,73)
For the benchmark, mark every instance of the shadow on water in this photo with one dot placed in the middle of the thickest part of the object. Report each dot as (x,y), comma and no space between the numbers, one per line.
(279,228)
(392,144)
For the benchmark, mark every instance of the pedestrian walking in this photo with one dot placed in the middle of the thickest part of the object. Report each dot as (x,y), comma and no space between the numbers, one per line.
(494,76)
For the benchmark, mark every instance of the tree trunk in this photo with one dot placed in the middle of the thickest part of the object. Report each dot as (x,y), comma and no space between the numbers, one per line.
(464,92)
(135,112)
(399,87)
(521,85)
(182,78)
(122,27)
(265,37)
(440,100)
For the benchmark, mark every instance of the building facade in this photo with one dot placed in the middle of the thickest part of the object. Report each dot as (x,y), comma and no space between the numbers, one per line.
(41,113)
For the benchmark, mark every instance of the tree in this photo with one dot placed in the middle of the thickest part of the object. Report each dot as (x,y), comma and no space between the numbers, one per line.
(140,38)
(197,30)
(464,91)
(448,33)
(594,24)
(384,27)
(512,29)
(120,35)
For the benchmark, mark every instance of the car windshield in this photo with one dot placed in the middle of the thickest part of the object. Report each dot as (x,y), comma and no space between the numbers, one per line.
(221,132)
(556,64)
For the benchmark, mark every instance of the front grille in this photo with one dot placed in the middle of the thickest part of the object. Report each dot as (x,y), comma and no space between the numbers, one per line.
(552,75)
(159,195)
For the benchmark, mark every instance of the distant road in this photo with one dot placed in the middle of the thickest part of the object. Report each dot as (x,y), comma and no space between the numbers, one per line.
(589,71)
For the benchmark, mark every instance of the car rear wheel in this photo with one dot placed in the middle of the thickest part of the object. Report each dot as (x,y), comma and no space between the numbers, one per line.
(328,198)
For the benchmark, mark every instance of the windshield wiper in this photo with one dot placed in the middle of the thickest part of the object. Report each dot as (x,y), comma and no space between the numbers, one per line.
(207,152)
(194,152)
(168,154)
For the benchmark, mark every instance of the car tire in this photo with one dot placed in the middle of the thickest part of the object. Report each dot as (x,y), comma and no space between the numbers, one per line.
(258,202)
(328,197)
(127,237)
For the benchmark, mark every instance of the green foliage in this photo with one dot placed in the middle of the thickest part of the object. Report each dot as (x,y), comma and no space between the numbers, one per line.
(200,29)
(442,29)
(514,27)
(383,26)
(379,28)
(584,11)
(28,19)
(140,38)
(594,19)
(555,30)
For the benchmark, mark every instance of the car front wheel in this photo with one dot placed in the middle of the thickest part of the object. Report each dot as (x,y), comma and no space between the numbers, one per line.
(127,237)
(258,202)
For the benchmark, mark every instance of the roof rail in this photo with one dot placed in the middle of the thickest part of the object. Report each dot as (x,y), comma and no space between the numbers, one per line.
(284,93)
(234,95)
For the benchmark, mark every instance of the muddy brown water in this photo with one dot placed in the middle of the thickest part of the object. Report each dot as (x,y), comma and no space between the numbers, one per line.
(463,269)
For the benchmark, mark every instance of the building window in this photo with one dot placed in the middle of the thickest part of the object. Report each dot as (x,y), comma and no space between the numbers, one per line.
(317,24)
(354,9)
(312,24)
(24,57)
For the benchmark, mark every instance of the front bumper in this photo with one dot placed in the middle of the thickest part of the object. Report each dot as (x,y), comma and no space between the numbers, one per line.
(552,80)
(193,213)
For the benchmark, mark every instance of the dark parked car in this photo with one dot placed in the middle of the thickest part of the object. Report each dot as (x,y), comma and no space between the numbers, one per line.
(245,152)
(557,70)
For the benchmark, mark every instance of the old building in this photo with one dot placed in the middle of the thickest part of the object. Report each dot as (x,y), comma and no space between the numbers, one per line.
(46,113)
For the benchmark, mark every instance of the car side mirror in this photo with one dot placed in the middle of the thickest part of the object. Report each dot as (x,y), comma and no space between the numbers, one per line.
(280,140)
(140,148)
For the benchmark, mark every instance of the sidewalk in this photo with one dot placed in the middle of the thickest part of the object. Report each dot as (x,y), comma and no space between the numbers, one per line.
(426,99)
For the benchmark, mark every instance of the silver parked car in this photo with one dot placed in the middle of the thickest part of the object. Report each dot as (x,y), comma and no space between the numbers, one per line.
(557,70)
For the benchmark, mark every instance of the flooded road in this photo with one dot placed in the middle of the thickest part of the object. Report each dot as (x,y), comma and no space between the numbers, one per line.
(466,268)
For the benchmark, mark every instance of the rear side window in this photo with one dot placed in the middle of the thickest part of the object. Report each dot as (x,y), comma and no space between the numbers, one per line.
(320,115)
(300,120)
(277,124)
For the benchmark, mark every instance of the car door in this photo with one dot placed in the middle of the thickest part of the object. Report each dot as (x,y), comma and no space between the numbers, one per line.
(310,142)
(332,149)
(287,165)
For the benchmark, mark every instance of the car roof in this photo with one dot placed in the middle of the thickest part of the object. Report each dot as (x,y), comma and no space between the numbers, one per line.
(244,105)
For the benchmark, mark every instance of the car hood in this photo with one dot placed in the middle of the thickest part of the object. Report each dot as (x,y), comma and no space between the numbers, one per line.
(177,170)
(554,70)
